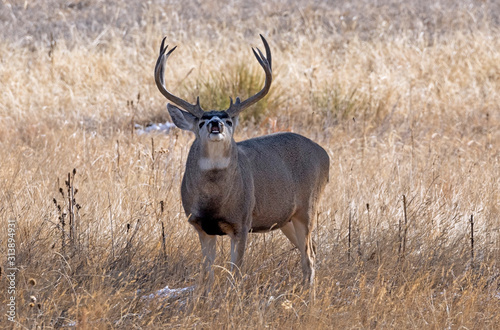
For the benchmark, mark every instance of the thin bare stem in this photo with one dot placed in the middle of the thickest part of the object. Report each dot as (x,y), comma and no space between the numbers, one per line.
(472,240)
(405,230)
(111,228)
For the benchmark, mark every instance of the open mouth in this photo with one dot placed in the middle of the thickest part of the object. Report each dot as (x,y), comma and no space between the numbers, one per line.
(215,128)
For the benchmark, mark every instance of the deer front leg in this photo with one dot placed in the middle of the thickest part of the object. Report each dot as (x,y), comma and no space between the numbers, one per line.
(238,245)
(208,244)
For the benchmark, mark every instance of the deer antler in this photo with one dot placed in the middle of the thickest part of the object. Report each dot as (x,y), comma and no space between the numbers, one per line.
(194,109)
(264,61)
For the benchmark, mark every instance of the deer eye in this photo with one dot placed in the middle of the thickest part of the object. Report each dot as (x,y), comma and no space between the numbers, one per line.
(200,125)
(229,123)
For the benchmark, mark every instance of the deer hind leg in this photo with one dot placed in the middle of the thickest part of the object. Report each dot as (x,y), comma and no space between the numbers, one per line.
(289,232)
(302,225)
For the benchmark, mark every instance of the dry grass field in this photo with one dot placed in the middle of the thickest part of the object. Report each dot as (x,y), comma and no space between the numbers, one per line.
(403,95)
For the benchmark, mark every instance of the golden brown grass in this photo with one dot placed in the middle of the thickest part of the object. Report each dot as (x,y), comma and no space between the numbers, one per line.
(404,97)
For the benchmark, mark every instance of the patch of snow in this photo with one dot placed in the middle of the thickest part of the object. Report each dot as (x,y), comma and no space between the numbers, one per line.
(154,128)
(167,293)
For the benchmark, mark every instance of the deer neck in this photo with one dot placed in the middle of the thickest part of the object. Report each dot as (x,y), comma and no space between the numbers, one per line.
(217,156)
(212,171)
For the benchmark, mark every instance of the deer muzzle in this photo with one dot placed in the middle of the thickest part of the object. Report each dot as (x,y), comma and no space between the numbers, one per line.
(215,127)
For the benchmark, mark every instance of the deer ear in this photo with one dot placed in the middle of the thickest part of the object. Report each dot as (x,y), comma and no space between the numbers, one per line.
(236,121)
(182,119)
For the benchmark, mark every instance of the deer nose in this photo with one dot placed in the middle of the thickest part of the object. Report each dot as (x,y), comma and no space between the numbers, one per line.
(215,127)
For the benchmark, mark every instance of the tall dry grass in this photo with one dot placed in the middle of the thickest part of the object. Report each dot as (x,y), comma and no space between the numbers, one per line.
(404,97)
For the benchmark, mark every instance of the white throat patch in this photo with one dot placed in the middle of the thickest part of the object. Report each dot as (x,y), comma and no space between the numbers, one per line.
(207,164)
(215,156)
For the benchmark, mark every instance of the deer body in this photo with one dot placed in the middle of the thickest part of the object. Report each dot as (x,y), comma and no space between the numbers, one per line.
(264,178)
(257,185)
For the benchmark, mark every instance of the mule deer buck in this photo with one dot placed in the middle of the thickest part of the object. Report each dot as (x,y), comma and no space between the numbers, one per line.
(258,185)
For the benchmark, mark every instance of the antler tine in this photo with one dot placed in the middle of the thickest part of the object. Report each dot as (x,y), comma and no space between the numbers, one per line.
(265,62)
(268,50)
(194,109)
